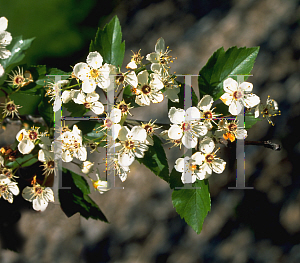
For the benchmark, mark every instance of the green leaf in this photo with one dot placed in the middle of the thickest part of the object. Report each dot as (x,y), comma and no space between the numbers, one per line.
(25,160)
(193,204)
(175,179)
(155,159)
(17,48)
(181,96)
(250,120)
(46,111)
(108,42)
(235,61)
(76,199)
(29,102)
(76,110)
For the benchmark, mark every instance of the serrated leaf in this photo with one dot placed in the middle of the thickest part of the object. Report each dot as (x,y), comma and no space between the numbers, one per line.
(17,48)
(155,159)
(76,110)
(235,61)
(75,200)
(29,102)
(193,205)
(250,120)
(175,179)
(108,42)
(181,96)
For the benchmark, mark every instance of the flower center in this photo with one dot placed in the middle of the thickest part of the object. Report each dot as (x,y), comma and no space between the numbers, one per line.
(207,115)
(119,79)
(209,158)
(232,127)
(38,190)
(87,105)
(237,95)
(3,188)
(11,107)
(148,128)
(123,108)
(50,164)
(129,145)
(266,112)
(33,135)
(146,89)
(94,73)
(18,80)
(108,123)
(186,126)
(193,167)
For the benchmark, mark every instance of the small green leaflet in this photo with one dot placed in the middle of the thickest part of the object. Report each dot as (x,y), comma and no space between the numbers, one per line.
(108,42)
(193,205)
(250,120)
(235,61)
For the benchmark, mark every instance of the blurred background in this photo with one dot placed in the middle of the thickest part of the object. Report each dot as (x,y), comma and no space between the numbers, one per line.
(259,225)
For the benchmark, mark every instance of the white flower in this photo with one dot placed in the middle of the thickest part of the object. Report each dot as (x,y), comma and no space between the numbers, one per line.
(119,169)
(46,155)
(149,128)
(148,90)
(54,90)
(128,78)
(8,188)
(1,161)
(230,131)
(90,101)
(68,95)
(72,145)
(171,89)
(210,163)
(131,145)
(135,60)
(27,140)
(186,126)
(206,112)
(189,167)
(93,73)
(159,58)
(100,186)
(5,38)
(39,195)
(267,110)
(111,123)
(87,167)
(236,95)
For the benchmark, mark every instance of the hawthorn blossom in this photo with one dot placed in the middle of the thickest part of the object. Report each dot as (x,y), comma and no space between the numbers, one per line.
(100,186)
(111,123)
(131,145)
(267,110)
(118,169)
(210,162)
(39,195)
(186,126)
(90,101)
(148,90)
(93,73)
(135,60)
(230,130)
(206,112)
(189,167)
(27,139)
(5,38)
(160,58)
(20,79)
(237,95)
(171,88)
(8,188)
(87,167)
(11,109)
(46,155)
(149,128)
(54,90)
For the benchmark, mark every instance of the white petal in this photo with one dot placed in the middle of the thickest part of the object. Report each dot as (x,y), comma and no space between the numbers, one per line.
(207,145)
(131,65)
(188,141)
(14,188)
(131,79)
(192,113)
(138,133)
(67,95)
(115,130)
(156,82)
(205,103)
(104,83)
(20,135)
(235,107)
(143,77)
(188,177)
(125,159)
(39,204)
(66,156)
(97,107)
(241,134)
(226,98)
(251,100)
(142,100)
(171,94)
(3,23)
(198,157)
(26,146)
(123,133)
(207,169)
(176,116)
(246,86)
(79,97)
(218,165)
(156,67)
(115,115)
(49,194)
(175,132)
(160,45)
(157,97)
(88,85)
(94,60)
(91,97)
(153,57)
(256,111)
(82,71)
(27,193)
(1,160)
(57,104)
(230,85)
(179,165)
(41,156)
(1,70)
(82,153)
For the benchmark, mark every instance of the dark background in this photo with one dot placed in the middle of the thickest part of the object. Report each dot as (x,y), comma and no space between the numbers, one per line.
(260,225)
